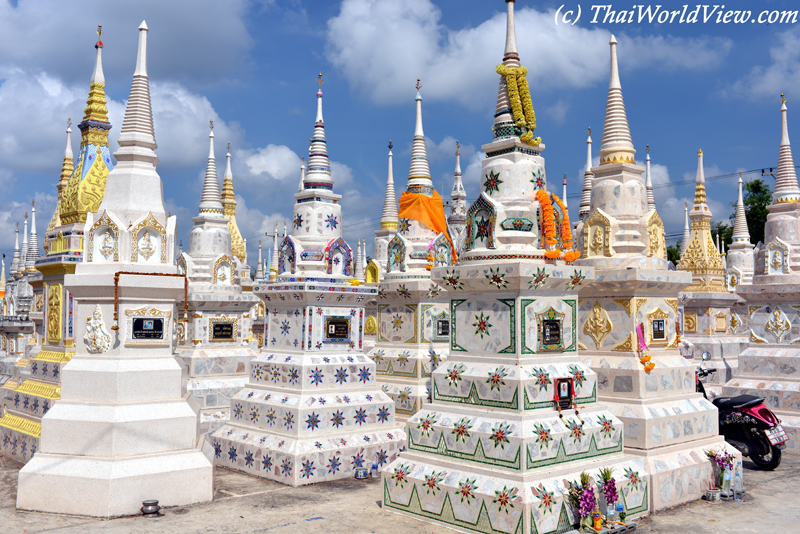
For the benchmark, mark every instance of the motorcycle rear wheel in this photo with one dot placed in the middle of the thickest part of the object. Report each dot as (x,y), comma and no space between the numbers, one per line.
(765,455)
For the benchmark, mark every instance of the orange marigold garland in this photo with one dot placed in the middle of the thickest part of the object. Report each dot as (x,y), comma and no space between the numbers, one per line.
(548,222)
(566,232)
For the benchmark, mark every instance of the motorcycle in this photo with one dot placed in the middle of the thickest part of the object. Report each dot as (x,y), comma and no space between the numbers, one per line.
(747,424)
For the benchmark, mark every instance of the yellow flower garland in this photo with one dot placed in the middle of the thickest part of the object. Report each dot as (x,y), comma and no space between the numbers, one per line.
(519,95)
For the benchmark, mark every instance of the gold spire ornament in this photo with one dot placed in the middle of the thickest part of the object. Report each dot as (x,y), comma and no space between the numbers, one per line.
(86,187)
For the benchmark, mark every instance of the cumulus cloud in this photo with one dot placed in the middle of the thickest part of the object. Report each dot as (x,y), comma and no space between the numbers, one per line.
(780,75)
(63,45)
(410,32)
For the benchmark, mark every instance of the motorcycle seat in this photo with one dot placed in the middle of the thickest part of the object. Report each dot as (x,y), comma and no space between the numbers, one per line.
(739,401)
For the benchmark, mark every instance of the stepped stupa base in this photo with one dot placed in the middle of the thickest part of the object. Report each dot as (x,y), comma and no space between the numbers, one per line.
(113,487)
(297,462)
(680,474)
(773,373)
(724,357)
(486,500)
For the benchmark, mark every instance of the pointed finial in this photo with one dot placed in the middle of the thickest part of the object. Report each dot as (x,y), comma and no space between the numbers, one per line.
(419,85)
(391,146)
(211,123)
(783,99)
(320,81)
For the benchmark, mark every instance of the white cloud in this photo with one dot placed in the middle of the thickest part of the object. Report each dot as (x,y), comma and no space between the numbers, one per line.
(63,39)
(365,33)
(781,75)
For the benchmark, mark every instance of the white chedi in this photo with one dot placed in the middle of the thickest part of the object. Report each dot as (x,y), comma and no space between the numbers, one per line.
(97,338)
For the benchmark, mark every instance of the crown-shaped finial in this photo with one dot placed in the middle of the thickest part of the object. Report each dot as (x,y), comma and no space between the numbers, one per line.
(647,149)
(589,131)
(458,145)
(391,146)
(229,147)
(783,99)
(100,30)
(320,81)
(69,122)
(26,214)
(419,85)
(33,202)
(211,123)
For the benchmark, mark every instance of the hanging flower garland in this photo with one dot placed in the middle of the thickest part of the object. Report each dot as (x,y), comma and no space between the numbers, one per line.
(566,232)
(519,96)
(548,223)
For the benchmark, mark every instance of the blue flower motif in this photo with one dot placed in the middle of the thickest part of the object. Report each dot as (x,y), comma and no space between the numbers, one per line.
(361,416)
(333,465)
(266,462)
(383,414)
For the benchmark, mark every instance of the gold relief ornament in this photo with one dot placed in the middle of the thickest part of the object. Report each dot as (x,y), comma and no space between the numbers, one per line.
(596,245)
(371,326)
(754,309)
(54,313)
(735,321)
(778,324)
(755,339)
(97,338)
(598,325)
(107,245)
(625,303)
(734,280)
(627,344)
(181,332)
(656,243)
(39,302)
(146,247)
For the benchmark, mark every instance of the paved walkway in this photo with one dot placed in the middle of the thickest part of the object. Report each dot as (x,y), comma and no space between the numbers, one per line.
(244,505)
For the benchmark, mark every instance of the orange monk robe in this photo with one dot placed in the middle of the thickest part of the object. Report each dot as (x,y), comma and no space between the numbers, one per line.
(428,210)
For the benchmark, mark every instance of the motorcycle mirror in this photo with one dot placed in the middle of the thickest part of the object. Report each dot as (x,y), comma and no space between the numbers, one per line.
(706,356)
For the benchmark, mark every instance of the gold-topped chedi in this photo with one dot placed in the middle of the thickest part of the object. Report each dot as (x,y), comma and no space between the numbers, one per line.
(86,187)
(67,168)
(229,210)
(701,257)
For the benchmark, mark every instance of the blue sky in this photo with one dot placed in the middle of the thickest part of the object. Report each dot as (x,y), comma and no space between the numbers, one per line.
(251,65)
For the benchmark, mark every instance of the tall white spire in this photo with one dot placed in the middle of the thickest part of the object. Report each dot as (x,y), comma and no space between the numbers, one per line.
(23,254)
(97,73)
(33,243)
(389,217)
(359,267)
(648,183)
(588,177)
(3,276)
(687,233)
(617,145)
(302,174)
(260,264)
(741,234)
(786,187)
(318,172)
(273,267)
(419,173)
(134,187)
(564,192)
(15,259)
(211,200)
(458,203)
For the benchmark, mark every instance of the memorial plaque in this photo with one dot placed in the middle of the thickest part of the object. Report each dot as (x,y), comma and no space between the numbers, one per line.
(148,328)
(551,332)
(659,330)
(337,328)
(222,332)
(442,328)
(564,392)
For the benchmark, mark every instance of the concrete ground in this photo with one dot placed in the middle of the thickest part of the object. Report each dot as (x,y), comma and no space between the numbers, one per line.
(245,505)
